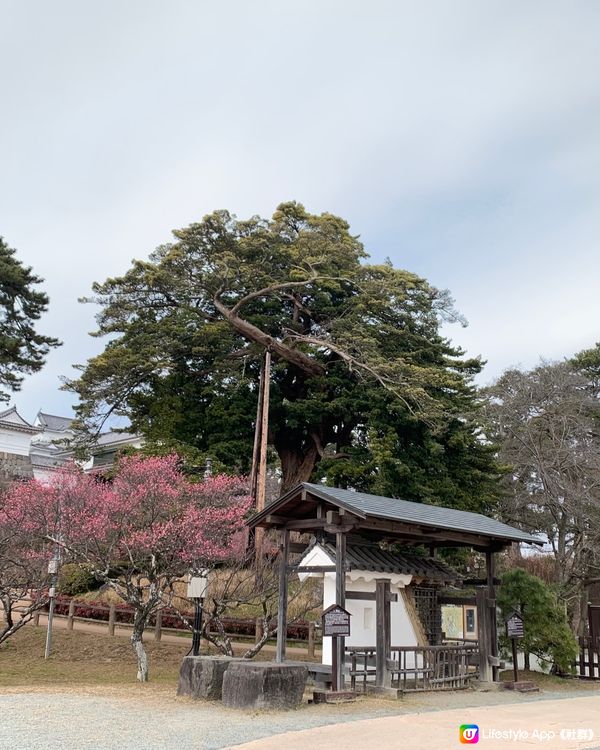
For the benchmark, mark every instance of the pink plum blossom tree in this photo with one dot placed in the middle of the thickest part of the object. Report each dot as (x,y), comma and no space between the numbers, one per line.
(141,532)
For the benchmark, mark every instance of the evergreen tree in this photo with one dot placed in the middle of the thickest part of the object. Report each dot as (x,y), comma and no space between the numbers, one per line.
(365,391)
(545,623)
(22,349)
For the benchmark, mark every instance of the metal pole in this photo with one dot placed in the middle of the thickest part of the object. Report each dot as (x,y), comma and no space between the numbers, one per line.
(53,570)
(197,627)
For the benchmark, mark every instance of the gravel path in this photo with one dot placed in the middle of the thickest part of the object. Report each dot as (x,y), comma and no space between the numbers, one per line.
(158,721)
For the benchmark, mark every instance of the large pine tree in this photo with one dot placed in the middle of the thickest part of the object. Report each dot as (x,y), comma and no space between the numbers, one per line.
(365,390)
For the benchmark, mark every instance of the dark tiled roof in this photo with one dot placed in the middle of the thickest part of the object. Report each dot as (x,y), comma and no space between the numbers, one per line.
(394,509)
(375,559)
(52,422)
(110,438)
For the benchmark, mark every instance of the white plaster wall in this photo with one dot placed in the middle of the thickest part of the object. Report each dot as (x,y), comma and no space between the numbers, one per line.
(15,442)
(362,628)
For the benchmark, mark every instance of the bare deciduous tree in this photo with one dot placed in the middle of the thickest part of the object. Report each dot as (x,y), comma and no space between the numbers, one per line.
(24,578)
(545,422)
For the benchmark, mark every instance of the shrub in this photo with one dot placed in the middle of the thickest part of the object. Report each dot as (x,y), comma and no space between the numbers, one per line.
(98,610)
(547,631)
(76,579)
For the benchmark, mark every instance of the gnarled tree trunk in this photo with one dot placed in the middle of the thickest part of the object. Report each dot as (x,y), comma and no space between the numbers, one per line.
(297,465)
(139,623)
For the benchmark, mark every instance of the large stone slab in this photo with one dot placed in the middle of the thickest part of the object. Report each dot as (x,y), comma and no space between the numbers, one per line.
(264,685)
(202,676)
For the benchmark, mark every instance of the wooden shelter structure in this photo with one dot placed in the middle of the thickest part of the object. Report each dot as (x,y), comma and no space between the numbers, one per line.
(337,513)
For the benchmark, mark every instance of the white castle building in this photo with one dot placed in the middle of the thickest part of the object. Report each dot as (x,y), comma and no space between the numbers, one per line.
(38,450)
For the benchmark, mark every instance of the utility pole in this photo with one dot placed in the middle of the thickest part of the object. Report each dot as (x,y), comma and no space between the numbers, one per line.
(258,476)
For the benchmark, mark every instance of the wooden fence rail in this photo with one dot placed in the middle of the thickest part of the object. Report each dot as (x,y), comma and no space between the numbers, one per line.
(418,668)
(109,616)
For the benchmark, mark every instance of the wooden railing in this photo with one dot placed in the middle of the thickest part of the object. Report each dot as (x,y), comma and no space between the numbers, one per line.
(417,668)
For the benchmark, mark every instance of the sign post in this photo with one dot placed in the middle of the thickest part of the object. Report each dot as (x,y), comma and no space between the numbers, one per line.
(514,631)
(197,586)
(336,624)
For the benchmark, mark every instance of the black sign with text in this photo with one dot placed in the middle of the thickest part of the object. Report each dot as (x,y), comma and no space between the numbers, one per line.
(336,621)
(514,626)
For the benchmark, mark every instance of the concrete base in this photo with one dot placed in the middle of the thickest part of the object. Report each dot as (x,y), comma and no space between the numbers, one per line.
(202,676)
(486,687)
(249,684)
(329,696)
(522,686)
(390,693)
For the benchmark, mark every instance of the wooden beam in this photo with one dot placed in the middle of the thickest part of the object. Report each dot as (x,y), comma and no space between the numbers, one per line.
(276,520)
(283,595)
(299,524)
(312,568)
(294,523)
(367,596)
(423,534)
(339,528)
(298,547)
(468,601)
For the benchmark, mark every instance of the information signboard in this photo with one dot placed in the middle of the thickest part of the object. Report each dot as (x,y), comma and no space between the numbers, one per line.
(514,626)
(336,621)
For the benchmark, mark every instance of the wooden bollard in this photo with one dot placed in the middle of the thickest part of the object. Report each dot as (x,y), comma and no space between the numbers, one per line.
(71,615)
(258,630)
(36,619)
(158,626)
(112,616)
(311,640)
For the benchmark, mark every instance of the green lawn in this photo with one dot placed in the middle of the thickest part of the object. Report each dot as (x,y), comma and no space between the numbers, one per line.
(83,659)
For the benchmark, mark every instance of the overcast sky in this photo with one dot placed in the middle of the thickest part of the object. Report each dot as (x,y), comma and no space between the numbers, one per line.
(459,138)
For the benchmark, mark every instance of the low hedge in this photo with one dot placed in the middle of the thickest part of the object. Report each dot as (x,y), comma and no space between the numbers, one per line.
(98,610)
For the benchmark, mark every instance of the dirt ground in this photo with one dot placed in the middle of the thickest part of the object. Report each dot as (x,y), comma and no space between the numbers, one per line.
(91,675)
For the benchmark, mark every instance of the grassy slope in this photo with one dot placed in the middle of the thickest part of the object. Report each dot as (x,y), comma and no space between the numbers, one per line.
(83,659)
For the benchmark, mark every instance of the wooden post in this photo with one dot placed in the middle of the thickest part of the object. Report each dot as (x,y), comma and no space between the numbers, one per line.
(493,624)
(36,619)
(158,626)
(71,615)
(484,634)
(515,662)
(283,595)
(257,426)
(261,475)
(311,640)
(339,642)
(112,616)
(382,635)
